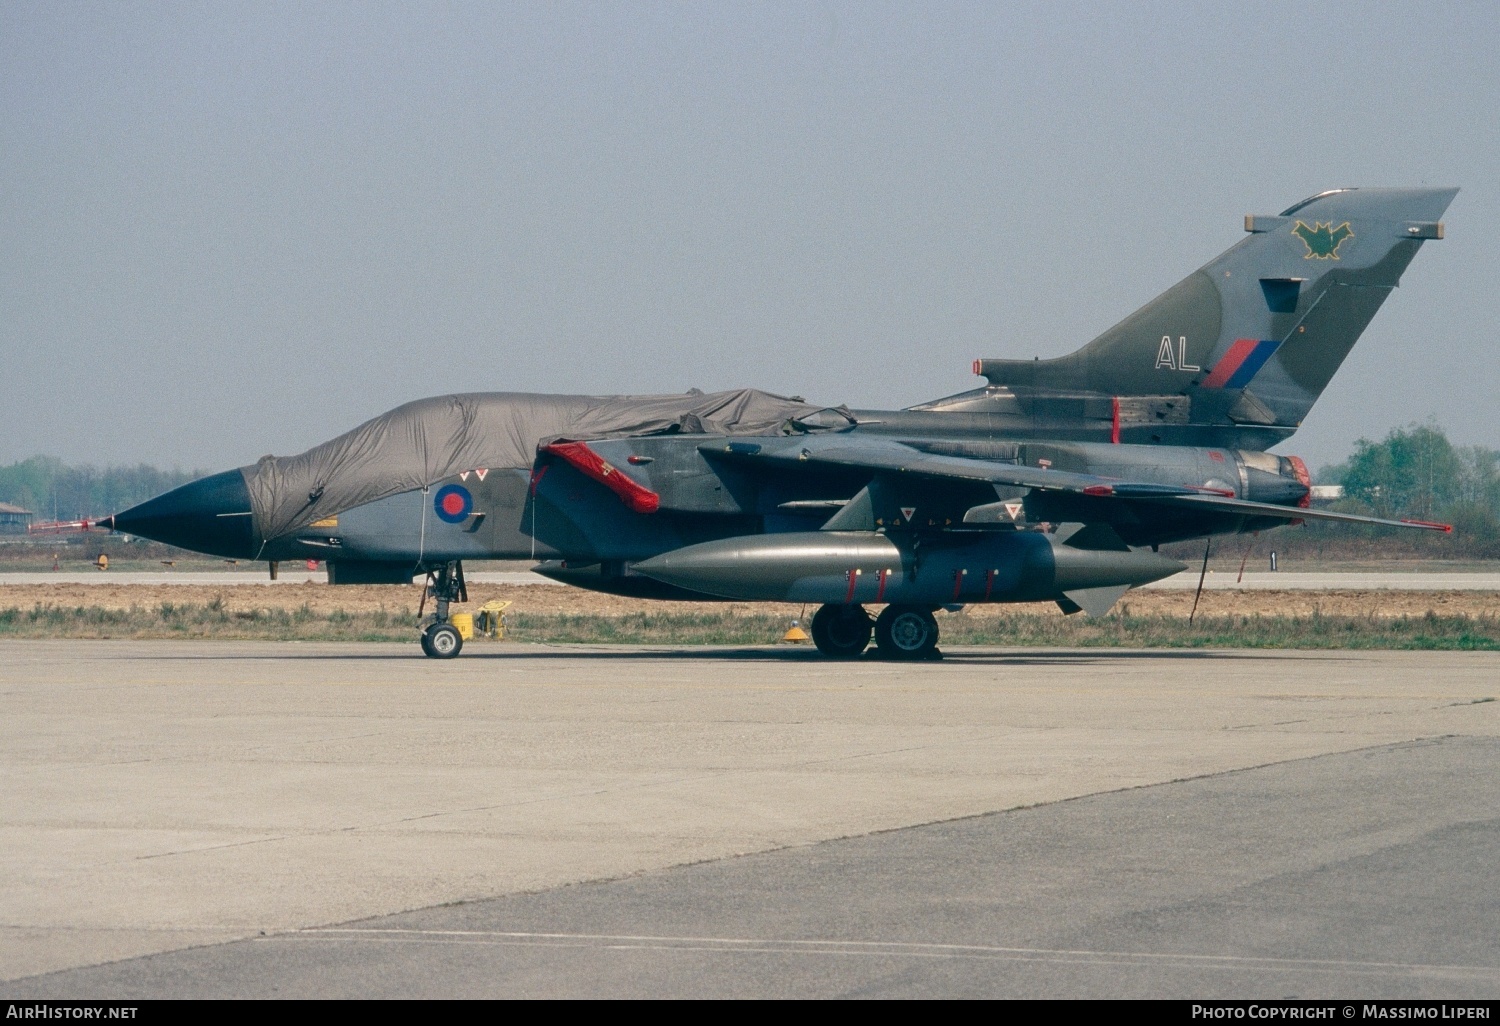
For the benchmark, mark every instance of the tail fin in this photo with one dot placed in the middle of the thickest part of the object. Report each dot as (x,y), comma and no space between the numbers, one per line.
(1254,336)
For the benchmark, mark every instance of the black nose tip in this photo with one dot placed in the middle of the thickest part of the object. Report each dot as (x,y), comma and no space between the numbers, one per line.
(210,515)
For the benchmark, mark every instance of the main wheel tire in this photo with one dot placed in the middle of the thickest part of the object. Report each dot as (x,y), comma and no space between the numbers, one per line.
(442,641)
(841,632)
(906,633)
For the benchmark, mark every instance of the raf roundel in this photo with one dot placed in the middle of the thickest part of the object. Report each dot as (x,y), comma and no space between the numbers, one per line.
(453,503)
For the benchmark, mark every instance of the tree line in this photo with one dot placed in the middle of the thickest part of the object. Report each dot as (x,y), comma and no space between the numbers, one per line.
(54,490)
(1417,472)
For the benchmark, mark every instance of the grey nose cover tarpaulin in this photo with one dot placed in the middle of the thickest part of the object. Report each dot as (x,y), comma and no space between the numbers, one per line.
(428,440)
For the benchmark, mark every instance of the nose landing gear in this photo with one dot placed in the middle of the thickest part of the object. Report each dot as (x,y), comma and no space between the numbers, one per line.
(440,639)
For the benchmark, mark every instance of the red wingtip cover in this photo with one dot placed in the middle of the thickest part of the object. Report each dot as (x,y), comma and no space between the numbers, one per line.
(1445,528)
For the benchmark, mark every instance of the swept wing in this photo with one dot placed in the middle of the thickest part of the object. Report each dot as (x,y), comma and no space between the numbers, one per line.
(891,457)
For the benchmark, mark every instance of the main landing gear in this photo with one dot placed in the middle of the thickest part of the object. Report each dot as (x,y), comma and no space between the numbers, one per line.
(901,632)
(842,632)
(440,639)
(907,632)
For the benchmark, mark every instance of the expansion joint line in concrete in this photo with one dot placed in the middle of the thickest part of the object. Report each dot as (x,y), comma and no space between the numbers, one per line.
(890,949)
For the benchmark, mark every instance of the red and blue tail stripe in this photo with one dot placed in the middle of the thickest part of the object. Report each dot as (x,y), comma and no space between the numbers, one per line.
(1246,357)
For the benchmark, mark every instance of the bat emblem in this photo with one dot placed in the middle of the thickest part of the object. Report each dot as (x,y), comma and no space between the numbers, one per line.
(1322,239)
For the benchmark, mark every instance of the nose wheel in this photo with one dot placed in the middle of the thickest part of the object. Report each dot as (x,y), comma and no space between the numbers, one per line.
(442,641)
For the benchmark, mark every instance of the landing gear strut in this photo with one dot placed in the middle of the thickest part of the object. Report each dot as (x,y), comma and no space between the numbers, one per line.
(841,632)
(440,639)
(907,632)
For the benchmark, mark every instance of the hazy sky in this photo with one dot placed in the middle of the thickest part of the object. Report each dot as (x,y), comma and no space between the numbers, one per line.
(236,229)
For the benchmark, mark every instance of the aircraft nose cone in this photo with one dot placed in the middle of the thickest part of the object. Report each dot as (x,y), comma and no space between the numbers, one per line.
(210,515)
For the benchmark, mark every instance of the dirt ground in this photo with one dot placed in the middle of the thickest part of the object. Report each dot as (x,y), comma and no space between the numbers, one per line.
(551,599)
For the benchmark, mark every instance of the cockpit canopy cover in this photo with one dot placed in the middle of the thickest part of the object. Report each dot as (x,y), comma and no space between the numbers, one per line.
(425,441)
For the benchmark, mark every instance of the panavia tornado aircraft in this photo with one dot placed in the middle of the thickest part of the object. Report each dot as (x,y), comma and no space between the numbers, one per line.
(1055,481)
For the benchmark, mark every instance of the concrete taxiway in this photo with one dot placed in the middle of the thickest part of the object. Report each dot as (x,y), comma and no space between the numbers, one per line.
(1336,581)
(1362,874)
(163,796)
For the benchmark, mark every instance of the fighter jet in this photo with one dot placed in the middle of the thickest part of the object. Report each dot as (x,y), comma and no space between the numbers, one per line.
(1055,481)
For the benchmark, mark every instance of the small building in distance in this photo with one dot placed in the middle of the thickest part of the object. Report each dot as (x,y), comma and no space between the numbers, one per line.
(14,519)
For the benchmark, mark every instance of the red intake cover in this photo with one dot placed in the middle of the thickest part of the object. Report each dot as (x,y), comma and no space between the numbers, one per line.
(636,497)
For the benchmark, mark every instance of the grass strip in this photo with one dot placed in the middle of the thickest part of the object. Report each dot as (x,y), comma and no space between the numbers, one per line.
(717,627)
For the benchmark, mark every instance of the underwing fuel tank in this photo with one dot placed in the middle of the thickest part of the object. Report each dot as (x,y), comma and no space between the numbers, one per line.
(865,567)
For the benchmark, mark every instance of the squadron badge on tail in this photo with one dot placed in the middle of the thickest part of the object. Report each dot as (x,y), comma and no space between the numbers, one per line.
(1322,239)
